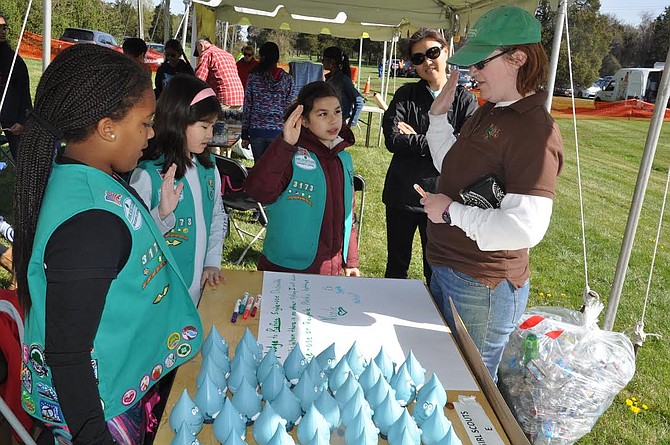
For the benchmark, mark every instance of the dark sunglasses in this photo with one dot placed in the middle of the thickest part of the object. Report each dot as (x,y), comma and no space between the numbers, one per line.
(432,53)
(481,64)
(248,55)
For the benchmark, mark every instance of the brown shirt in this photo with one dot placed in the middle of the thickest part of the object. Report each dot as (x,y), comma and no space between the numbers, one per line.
(521,145)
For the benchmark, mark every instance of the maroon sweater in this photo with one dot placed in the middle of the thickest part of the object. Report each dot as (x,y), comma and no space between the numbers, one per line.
(271,175)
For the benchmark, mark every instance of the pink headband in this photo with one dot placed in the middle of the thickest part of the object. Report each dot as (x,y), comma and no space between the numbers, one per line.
(203,94)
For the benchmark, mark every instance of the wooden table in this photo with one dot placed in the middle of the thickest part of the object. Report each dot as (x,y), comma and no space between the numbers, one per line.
(216,308)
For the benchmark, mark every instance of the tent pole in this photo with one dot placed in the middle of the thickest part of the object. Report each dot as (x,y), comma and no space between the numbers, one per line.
(638,196)
(46,35)
(225,37)
(384,71)
(194,35)
(166,21)
(140,20)
(360,56)
(187,6)
(556,49)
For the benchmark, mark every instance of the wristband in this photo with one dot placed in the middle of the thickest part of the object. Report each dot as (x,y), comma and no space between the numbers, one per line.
(445,215)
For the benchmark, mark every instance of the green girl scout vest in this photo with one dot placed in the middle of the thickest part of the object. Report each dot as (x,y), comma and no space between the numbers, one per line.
(294,220)
(181,238)
(149,324)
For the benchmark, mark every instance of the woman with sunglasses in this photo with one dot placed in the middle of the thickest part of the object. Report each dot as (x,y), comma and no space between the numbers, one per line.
(405,125)
(479,256)
(175,63)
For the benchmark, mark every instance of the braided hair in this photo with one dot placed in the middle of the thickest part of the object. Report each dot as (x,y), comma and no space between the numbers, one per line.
(84,84)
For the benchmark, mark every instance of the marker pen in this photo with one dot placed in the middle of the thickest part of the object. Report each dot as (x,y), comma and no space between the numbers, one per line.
(420,190)
(250,304)
(233,319)
(245,298)
(256,305)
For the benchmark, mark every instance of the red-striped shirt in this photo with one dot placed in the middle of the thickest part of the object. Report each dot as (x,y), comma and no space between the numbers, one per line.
(217,68)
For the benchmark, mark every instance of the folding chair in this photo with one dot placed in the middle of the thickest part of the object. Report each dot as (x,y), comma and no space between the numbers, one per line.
(235,199)
(4,150)
(359,186)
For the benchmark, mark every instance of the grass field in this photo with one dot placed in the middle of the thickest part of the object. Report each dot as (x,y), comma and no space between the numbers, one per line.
(610,153)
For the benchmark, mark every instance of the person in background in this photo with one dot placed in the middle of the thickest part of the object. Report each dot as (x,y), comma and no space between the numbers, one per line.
(135,48)
(268,94)
(479,256)
(90,263)
(184,122)
(405,124)
(337,62)
(17,102)
(217,69)
(306,180)
(175,63)
(7,232)
(247,63)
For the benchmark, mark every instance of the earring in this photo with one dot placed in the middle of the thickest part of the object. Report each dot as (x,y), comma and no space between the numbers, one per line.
(113,136)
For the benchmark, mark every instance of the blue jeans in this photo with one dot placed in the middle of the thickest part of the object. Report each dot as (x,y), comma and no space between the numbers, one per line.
(490,315)
(259,145)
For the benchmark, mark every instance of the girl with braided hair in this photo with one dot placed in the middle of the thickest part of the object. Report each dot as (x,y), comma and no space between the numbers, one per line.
(107,312)
(194,231)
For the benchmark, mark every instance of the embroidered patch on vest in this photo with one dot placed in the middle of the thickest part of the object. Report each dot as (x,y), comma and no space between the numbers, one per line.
(26,378)
(184,350)
(491,132)
(210,188)
(128,397)
(189,333)
(28,402)
(47,392)
(114,198)
(162,295)
(170,360)
(304,160)
(37,360)
(156,372)
(132,213)
(144,383)
(173,340)
(50,412)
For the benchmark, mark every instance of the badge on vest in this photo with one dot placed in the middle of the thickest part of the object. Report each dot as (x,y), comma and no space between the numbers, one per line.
(303,159)
(132,213)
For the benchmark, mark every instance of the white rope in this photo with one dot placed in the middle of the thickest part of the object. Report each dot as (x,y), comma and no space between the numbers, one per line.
(16,53)
(588,293)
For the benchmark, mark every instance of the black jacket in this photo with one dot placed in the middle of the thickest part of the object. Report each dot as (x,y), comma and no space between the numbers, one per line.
(412,162)
(18,102)
(166,71)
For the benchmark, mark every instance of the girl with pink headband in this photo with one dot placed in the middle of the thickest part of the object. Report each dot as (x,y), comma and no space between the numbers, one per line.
(185,115)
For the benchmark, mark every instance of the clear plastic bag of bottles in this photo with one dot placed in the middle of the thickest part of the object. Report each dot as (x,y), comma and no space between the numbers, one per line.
(560,372)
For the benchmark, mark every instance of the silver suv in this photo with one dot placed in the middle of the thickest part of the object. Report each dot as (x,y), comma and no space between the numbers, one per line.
(81,35)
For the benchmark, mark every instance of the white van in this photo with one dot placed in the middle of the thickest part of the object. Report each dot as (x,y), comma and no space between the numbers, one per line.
(632,83)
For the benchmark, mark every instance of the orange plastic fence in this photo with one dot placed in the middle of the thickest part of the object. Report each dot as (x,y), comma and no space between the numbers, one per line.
(586,108)
(31,48)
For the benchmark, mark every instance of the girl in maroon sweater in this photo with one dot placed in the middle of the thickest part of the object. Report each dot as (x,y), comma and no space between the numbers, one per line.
(314,126)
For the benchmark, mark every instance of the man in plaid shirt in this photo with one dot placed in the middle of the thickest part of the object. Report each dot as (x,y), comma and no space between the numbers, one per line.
(217,68)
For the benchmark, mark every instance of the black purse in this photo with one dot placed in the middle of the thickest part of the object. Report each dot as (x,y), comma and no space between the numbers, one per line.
(485,193)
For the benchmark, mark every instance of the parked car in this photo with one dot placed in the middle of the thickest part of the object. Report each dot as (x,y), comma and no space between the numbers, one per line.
(465,79)
(410,70)
(563,90)
(588,93)
(632,83)
(398,67)
(159,47)
(81,35)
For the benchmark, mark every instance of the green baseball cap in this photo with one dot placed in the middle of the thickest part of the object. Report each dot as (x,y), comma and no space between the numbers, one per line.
(502,26)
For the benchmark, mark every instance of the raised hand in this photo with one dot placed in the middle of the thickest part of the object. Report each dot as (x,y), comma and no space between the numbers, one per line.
(293,125)
(443,101)
(405,128)
(169,193)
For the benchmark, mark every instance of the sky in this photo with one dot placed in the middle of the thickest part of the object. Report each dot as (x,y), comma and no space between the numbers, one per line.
(627,11)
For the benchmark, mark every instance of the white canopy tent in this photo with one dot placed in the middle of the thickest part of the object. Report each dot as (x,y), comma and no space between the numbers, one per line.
(386,19)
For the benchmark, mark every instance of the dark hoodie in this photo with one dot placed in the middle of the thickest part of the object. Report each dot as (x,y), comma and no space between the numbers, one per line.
(271,175)
(18,102)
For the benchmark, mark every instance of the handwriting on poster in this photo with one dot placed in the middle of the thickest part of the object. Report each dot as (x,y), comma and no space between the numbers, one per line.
(297,314)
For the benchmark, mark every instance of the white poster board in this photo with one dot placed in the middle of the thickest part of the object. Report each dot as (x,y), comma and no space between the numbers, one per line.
(315,311)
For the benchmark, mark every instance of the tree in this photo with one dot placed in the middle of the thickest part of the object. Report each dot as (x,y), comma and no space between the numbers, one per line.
(588,39)
(660,37)
(158,25)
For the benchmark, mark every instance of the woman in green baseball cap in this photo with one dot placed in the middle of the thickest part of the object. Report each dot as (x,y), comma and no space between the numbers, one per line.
(478,248)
